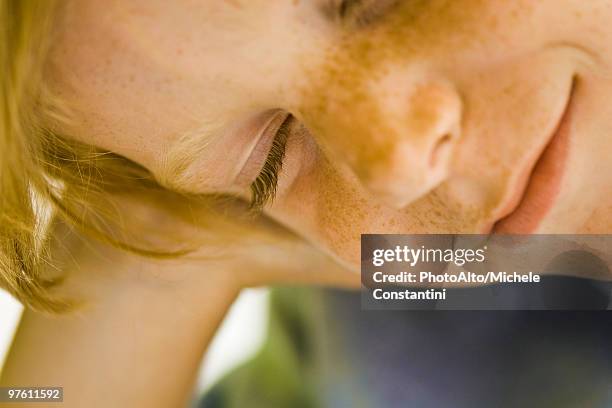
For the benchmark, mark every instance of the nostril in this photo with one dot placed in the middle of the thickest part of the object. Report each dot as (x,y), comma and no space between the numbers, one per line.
(440,149)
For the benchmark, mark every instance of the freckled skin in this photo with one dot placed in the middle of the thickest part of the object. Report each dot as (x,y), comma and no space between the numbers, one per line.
(422,120)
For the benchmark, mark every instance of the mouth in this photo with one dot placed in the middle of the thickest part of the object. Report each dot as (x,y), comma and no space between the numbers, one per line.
(537,191)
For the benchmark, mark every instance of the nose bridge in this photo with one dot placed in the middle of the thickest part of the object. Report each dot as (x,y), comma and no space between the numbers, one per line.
(396,132)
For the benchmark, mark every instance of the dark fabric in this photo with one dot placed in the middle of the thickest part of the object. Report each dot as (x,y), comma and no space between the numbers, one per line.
(324,351)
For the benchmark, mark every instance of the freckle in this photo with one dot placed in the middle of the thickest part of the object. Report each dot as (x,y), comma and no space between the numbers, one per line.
(234,3)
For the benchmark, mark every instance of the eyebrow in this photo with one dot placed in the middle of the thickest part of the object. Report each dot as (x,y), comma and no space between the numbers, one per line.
(175,163)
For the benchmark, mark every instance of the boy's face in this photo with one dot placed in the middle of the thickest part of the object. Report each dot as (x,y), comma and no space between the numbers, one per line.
(411,116)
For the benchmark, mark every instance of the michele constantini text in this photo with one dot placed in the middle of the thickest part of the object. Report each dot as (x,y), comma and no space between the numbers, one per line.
(416,284)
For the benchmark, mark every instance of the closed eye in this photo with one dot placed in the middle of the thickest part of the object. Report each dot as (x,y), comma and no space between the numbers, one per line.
(263,189)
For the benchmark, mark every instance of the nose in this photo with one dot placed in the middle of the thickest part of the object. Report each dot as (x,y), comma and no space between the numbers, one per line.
(414,156)
(397,134)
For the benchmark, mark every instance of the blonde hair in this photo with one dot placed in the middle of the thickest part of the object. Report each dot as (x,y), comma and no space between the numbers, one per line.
(42,172)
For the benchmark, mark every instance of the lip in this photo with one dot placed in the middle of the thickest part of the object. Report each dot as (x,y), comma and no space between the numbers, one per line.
(537,190)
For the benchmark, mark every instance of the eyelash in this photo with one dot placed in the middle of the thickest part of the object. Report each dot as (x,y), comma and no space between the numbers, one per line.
(263,189)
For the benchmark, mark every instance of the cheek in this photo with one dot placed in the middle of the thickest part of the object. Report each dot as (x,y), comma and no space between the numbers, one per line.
(585,203)
(327,208)
(599,222)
